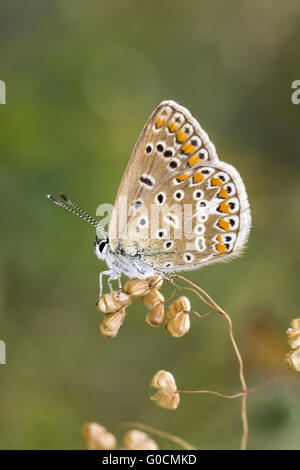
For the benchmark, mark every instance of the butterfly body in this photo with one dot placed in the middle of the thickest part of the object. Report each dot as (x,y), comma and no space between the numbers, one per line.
(178,206)
(120,262)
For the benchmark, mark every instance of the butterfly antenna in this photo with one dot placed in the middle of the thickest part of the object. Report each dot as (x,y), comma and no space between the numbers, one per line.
(74,209)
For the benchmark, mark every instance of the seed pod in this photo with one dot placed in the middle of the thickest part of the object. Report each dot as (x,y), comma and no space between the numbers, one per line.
(178,325)
(182,304)
(293,359)
(293,336)
(167,400)
(97,437)
(136,287)
(112,323)
(141,287)
(166,396)
(153,298)
(296,323)
(155,282)
(164,380)
(138,440)
(156,316)
(113,301)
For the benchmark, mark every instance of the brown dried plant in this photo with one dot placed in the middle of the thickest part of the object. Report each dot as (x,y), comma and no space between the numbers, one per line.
(177,324)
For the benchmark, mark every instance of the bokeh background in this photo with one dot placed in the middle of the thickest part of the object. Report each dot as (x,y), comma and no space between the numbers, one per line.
(82,78)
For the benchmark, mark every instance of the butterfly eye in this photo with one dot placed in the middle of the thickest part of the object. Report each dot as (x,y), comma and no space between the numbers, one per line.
(102,245)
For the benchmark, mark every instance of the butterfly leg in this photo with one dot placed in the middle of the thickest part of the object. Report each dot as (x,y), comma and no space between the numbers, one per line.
(120,283)
(106,273)
(111,277)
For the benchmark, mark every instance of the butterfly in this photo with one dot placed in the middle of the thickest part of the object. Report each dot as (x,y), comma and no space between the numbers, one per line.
(178,206)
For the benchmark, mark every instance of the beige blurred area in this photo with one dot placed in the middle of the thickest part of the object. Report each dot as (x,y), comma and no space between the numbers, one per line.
(81,80)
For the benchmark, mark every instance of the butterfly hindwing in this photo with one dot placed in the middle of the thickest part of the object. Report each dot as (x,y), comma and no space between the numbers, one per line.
(203,218)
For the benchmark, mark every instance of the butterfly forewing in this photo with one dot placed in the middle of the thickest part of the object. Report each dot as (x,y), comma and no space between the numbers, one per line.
(178,206)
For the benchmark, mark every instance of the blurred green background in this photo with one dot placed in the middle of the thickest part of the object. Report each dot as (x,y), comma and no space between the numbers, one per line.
(82,78)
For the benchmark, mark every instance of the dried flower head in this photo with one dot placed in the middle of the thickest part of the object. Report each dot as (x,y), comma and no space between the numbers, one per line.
(153,298)
(178,325)
(293,359)
(97,437)
(138,287)
(182,304)
(156,316)
(293,334)
(166,396)
(113,301)
(138,440)
(155,301)
(112,323)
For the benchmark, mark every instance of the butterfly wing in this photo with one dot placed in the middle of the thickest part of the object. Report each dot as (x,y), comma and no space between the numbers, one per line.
(203,217)
(171,141)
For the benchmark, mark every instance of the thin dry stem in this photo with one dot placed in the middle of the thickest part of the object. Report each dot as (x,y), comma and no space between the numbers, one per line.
(163,434)
(209,301)
(212,392)
(201,315)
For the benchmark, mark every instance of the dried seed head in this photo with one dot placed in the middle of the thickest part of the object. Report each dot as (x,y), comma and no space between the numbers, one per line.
(138,440)
(170,401)
(293,337)
(166,396)
(164,380)
(182,304)
(293,334)
(293,359)
(113,301)
(155,282)
(112,323)
(156,316)
(178,325)
(296,323)
(138,287)
(153,298)
(97,437)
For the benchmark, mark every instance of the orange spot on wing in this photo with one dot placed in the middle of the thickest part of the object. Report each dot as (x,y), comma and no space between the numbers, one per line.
(182,177)
(159,122)
(181,136)
(220,246)
(172,126)
(189,148)
(193,160)
(223,193)
(224,207)
(216,182)
(224,224)
(198,177)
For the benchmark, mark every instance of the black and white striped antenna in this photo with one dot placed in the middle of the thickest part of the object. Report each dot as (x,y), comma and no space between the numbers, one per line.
(75,209)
